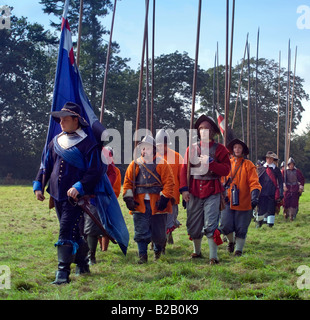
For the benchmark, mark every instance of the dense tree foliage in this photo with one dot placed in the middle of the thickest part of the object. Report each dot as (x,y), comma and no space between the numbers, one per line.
(27,70)
(25,76)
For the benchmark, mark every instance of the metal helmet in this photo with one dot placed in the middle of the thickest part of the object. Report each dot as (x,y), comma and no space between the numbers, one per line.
(147,139)
(291,160)
(282,164)
(162,137)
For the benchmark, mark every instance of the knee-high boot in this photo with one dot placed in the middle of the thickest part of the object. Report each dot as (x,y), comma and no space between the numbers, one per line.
(81,258)
(92,245)
(65,258)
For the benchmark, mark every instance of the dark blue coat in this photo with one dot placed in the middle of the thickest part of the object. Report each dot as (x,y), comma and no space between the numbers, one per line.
(62,175)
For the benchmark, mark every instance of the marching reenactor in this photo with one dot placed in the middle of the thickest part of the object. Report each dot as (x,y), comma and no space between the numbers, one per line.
(91,230)
(147,191)
(175,160)
(293,187)
(203,192)
(73,168)
(243,189)
(271,180)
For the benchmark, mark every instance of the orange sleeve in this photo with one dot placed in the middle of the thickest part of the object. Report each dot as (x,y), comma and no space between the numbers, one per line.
(167,178)
(118,182)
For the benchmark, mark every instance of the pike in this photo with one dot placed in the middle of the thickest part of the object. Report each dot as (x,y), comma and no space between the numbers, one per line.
(278,126)
(255,111)
(152,73)
(249,129)
(240,78)
(107,65)
(140,95)
(292,105)
(194,92)
(286,156)
(79,34)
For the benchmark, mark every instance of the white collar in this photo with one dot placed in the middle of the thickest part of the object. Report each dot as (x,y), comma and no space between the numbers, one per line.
(269,165)
(68,140)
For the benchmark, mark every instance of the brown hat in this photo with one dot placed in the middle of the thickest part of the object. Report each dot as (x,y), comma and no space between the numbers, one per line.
(271,154)
(231,144)
(70,109)
(208,119)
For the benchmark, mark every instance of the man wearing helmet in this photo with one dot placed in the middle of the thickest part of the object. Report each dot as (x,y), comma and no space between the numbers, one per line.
(147,190)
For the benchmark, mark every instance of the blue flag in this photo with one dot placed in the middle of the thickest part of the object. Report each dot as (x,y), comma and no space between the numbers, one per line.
(69,87)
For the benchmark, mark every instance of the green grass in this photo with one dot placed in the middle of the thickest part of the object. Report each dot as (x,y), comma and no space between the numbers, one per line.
(267,270)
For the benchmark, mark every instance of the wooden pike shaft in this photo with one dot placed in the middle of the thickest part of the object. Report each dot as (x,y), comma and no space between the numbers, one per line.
(79,34)
(193,93)
(292,106)
(107,65)
(278,126)
(226,73)
(230,66)
(140,95)
(239,85)
(153,71)
(256,97)
(287,104)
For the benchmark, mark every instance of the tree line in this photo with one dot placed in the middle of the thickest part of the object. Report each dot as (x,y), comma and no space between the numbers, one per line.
(27,70)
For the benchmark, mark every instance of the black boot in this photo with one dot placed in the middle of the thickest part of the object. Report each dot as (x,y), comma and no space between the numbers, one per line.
(92,245)
(81,259)
(65,258)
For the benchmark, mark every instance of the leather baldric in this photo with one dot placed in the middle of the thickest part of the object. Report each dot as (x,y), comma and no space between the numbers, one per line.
(210,175)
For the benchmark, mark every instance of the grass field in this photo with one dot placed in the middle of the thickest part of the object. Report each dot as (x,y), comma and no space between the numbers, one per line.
(267,270)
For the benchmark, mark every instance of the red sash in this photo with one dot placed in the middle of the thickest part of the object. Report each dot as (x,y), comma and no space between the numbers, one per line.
(274,181)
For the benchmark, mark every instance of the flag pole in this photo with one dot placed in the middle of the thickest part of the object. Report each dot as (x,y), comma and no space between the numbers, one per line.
(79,34)
(107,65)
(193,93)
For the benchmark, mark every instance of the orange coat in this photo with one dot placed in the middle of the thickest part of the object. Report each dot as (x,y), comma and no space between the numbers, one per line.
(118,182)
(166,176)
(175,160)
(246,181)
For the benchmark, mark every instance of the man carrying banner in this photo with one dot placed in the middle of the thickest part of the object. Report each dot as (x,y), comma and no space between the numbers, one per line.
(202,192)
(71,162)
(73,168)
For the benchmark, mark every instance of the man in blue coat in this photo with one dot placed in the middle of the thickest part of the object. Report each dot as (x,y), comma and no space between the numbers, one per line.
(73,168)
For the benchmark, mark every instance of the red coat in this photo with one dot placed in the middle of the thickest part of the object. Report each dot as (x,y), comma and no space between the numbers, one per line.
(205,188)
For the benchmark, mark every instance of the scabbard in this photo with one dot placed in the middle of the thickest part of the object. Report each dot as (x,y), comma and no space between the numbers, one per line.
(84,204)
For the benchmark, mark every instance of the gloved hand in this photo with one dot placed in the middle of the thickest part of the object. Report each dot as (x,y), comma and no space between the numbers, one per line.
(184,204)
(131,203)
(254,198)
(162,203)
